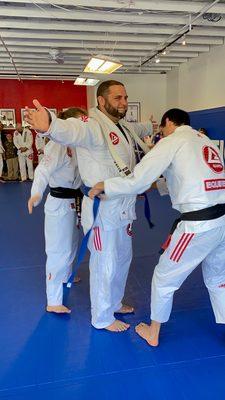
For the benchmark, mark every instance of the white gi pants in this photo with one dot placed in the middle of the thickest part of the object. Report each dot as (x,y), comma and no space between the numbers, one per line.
(1,164)
(61,242)
(185,252)
(26,159)
(111,255)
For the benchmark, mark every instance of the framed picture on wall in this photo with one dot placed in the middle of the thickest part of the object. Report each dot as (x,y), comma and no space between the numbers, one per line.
(133,112)
(23,122)
(8,117)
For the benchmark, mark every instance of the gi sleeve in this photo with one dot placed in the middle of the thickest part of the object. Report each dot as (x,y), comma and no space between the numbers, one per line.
(75,132)
(16,140)
(49,163)
(145,173)
(29,141)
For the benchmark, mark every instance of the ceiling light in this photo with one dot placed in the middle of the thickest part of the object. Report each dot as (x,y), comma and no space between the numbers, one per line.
(157,60)
(102,65)
(184,41)
(82,81)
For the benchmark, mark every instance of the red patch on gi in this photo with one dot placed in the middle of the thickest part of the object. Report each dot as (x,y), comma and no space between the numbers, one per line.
(114,138)
(97,239)
(222,285)
(129,230)
(84,118)
(30,156)
(212,159)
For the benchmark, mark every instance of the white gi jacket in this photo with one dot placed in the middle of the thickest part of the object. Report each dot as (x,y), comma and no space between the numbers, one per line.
(193,168)
(58,170)
(24,139)
(96,164)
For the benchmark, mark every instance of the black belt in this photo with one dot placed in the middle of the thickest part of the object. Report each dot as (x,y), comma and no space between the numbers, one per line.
(65,193)
(204,214)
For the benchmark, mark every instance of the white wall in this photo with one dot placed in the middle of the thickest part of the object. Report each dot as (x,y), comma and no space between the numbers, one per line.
(199,83)
(149,90)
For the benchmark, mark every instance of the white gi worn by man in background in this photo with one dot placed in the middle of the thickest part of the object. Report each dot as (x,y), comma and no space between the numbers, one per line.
(40,143)
(195,176)
(1,153)
(59,169)
(23,140)
(110,240)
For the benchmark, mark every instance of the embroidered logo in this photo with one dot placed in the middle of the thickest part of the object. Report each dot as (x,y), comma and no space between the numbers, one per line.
(30,156)
(214,184)
(222,285)
(114,138)
(84,118)
(212,159)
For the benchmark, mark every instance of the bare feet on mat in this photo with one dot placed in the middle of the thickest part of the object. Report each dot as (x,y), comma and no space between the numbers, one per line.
(77,279)
(148,333)
(118,326)
(125,309)
(58,309)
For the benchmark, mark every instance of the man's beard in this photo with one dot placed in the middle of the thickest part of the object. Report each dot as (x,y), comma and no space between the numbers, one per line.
(114,112)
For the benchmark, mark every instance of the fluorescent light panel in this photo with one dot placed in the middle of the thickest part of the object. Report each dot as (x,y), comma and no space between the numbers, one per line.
(102,65)
(85,81)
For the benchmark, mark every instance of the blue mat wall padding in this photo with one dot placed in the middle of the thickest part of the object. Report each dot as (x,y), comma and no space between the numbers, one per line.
(213,120)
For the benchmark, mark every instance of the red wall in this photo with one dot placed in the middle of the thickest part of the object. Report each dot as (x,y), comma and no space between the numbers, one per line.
(52,94)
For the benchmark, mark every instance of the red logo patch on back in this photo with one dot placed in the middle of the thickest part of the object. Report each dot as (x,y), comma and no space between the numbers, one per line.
(114,138)
(84,118)
(212,159)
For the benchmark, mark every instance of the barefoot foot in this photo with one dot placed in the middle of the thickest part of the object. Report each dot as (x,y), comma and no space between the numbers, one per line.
(125,309)
(148,333)
(117,326)
(58,309)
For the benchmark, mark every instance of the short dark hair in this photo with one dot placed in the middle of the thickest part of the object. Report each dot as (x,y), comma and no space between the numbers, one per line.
(72,112)
(177,116)
(104,87)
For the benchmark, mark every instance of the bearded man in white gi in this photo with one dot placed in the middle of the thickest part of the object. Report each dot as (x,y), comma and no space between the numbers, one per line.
(23,140)
(1,153)
(59,170)
(194,170)
(97,139)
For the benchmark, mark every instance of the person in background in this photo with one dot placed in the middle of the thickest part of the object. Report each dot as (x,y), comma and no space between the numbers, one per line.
(58,169)
(11,158)
(40,143)
(204,131)
(23,140)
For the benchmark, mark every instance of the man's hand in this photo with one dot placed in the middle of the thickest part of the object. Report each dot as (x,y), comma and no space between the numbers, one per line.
(96,190)
(31,202)
(154,124)
(38,119)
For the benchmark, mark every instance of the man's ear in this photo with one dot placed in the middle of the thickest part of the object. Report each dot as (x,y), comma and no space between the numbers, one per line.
(101,101)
